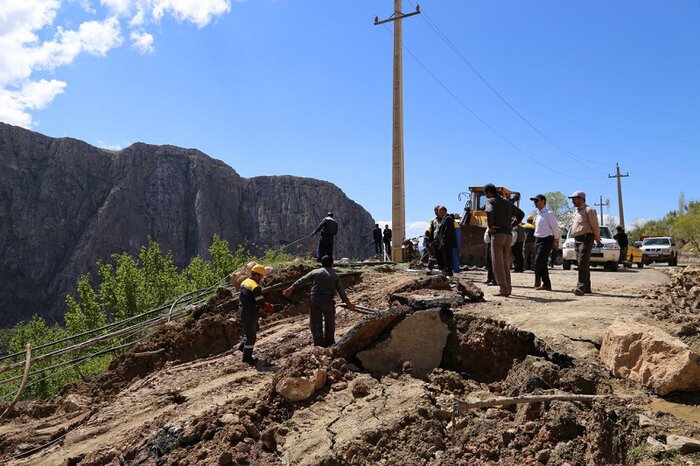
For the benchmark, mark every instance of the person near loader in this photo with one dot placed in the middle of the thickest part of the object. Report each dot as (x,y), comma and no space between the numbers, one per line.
(529,245)
(446,240)
(325,283)
(517,248)
(250,302)
(585,230)
(377,237)
(500,213)
(328,229)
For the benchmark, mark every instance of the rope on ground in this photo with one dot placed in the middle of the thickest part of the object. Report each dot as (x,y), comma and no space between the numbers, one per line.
(296,241)
(25,376)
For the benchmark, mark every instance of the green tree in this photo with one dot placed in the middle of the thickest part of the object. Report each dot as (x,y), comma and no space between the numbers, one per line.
(560,206)
(86,313)
(687,228)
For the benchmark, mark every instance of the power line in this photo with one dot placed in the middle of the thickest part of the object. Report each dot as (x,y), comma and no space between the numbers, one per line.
(483,122)
(573,156)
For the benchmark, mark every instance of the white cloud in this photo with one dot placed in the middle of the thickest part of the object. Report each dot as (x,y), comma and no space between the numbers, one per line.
(142,41)
(23,51)
(104,145)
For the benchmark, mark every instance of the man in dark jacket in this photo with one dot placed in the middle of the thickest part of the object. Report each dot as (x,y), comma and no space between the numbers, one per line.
(322,313)
(623,241)
(387,240)
(500,213)
(446,239)
(377,236)
(328,229)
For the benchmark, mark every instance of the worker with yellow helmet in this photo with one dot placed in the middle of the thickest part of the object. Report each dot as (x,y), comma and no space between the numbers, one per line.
(251,301)
(529,245)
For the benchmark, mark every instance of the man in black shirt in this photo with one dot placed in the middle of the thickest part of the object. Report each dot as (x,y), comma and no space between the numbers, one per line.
(328,229)
(377,236)
(446,239)
(623,241)
(387,240)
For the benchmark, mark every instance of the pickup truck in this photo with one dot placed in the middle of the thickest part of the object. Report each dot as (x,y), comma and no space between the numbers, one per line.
(660,249)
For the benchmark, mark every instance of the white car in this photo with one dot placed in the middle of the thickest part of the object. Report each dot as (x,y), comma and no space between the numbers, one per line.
(660,249)
(607,254)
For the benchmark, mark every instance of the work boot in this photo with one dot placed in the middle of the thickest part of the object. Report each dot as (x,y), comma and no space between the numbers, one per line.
(248,356)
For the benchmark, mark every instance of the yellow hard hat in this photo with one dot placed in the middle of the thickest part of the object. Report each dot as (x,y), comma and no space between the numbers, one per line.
(530,217)
(259,269)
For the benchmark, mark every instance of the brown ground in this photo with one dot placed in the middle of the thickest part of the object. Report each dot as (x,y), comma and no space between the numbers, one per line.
(196,403)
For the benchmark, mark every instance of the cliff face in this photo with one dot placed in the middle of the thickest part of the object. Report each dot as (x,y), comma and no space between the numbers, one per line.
(64,205)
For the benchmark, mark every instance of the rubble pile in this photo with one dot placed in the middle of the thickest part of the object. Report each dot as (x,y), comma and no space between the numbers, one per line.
(678,303)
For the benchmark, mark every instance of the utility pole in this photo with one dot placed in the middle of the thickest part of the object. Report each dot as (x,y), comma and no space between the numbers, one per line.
(601,204)
(398,194)
(619,176)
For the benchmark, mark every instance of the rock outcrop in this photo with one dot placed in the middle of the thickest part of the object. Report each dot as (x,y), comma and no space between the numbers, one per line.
(65,204)
(651,357)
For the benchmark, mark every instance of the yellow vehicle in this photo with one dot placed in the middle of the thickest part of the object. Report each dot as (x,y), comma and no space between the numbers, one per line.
(474,223)
(634,255)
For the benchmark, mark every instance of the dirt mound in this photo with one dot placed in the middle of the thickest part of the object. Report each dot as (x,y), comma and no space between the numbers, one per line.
(678,303)
(175,341)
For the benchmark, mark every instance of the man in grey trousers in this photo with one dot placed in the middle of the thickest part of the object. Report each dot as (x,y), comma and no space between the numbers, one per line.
(500,213)
(322,313)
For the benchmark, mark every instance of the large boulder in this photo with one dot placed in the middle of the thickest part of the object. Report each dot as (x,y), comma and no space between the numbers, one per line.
(301,388)
(419,339)
(650,356)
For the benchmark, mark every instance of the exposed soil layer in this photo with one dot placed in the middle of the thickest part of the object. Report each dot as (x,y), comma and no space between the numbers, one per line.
(183,397)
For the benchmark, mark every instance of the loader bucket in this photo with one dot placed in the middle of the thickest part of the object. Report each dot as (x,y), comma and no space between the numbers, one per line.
(473,248)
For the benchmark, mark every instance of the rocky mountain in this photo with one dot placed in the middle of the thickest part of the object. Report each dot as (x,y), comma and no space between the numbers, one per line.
(65,204)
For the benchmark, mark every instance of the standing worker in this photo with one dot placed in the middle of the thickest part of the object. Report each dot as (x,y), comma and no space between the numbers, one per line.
(585,230)
(529,245)
(377,236)
(499,214)
(251,301)
(624,242)
(446,239)
(546,238)
(387,240)
(328,229)
(322,313)
(432,236)
(517,248)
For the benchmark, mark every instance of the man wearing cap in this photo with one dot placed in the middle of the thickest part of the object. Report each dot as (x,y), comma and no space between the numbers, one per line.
(585,230)
(328,229)
(529,245)
(322,313)
(250,301)
(499,214)
(546,238)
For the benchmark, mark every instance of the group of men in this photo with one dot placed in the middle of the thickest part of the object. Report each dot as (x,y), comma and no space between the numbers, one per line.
(502,215)
(382,237)
(441,239)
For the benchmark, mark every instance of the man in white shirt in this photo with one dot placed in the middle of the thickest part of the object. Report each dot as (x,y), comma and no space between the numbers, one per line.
(546,238)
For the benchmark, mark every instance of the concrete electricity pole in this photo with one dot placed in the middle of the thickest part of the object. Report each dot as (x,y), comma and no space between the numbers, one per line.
(601,204)
(619,176)
(398,196)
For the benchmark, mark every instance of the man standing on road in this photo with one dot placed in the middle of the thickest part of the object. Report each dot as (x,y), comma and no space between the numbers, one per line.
(387,240)
(432,235)
(322,313)
(446,239)
(377,236)
(623,241)
(328,229)
(500,213)
(529,245)
(517,248)
(585,230)
(546,238)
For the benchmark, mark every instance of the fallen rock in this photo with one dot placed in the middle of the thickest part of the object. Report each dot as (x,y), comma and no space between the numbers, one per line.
(650,356)
(470,291)
(655,445)
(339,386)
(301,388)
(360,388)
(420,339)
(683,444)
(73,403)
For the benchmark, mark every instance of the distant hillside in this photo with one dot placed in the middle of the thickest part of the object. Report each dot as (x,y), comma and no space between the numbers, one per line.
(65,204)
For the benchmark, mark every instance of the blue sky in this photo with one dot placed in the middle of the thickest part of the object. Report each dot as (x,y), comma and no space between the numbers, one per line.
(304,88)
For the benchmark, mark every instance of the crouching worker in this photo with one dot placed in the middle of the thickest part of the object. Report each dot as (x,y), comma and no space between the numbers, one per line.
(250,301)
(322,314)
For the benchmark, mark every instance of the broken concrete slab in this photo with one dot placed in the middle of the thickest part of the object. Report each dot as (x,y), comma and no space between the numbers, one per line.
(470,291)
(651,357)
(419,339)
(367,331)
(421,300)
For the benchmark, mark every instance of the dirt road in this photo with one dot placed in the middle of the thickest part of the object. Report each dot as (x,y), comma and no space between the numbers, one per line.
(567,322)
